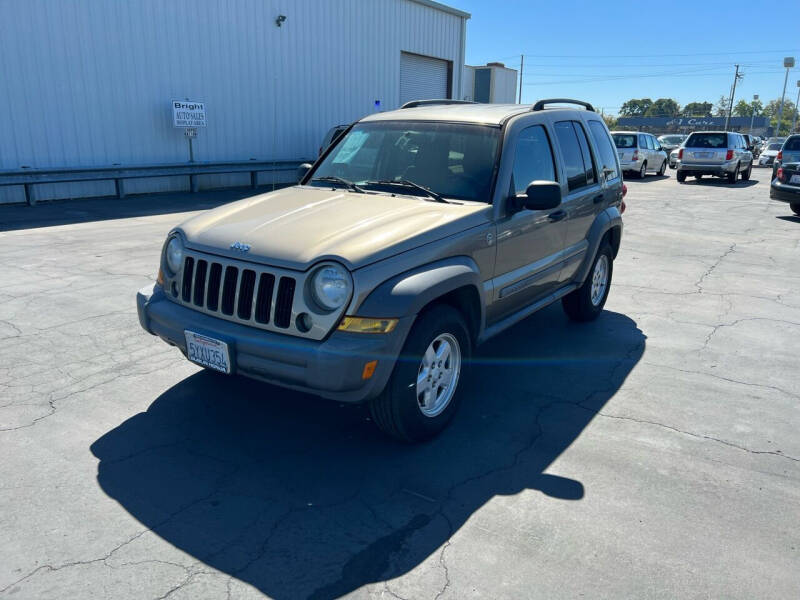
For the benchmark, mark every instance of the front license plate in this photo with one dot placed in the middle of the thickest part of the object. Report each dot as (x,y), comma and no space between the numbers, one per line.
(795,179)
(207,352)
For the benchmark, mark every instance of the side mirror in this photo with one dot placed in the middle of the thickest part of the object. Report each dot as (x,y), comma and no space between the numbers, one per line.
(302,170)
(539,195)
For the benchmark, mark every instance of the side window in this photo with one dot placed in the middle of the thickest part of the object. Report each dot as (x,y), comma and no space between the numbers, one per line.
(608,155)
(533,159)
(650,144)
(588,159)
(642,141)
(571,153)
(656,143)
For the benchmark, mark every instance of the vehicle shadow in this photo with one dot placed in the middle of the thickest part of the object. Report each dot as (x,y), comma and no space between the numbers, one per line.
(790,218)
(648,179)
(717,182)
(303,498)
(66,212)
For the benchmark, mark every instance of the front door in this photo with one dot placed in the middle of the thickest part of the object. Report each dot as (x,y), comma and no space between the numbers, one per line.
(529,242)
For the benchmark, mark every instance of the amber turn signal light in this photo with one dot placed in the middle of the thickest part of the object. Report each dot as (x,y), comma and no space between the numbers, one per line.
(366,325)
(369,369)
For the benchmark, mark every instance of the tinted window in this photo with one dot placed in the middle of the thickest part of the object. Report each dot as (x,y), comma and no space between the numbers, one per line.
(571,152)
(588,159)
(533,159)
(793,143)
(624,140)
(608,157)
(707,140)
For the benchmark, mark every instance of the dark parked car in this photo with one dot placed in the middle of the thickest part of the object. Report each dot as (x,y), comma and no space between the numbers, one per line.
(786,183)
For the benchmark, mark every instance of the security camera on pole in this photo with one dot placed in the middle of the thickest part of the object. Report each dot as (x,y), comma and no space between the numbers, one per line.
(788,62)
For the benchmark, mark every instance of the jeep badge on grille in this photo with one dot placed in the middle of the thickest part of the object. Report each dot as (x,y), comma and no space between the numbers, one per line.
(239,246)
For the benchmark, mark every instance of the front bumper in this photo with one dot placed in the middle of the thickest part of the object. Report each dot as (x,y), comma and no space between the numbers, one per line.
(783,192)
(718,169)
(331,368)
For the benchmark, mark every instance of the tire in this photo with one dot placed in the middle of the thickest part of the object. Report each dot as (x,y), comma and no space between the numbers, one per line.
(732,177)
(399,411)
(662,169)
(586,303)
(680,176)
(746,174)
(643,171)
(795,206)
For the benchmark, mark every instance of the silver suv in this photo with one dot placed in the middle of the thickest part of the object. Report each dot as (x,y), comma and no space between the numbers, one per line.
(639,153)
(719,153)
(417,235)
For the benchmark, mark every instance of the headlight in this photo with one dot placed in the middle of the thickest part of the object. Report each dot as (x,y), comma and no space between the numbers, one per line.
(174,255)
(331,286)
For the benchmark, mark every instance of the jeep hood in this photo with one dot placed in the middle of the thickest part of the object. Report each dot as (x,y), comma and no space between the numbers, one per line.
(298,226)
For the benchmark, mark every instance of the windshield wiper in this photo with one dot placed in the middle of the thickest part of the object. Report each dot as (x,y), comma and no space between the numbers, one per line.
(410,184)
(341,181)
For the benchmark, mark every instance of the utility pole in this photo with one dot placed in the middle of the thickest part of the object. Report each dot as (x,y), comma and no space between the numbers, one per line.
(736,78)
(521,66)
(788,62)
(796,108)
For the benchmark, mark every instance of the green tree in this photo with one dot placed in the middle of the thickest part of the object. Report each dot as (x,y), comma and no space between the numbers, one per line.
(698,109)
(742,109)
(611,121)
(635,107)
(721,107)
(663,107)
(771,111)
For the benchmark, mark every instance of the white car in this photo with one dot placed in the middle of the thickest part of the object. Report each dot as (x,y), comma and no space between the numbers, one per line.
(767,156)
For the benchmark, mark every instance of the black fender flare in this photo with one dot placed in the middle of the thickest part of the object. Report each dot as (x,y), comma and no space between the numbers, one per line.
(609,219)
(408,293)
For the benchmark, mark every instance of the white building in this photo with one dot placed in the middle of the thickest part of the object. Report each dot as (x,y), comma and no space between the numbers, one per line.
(493,82)
(90,83)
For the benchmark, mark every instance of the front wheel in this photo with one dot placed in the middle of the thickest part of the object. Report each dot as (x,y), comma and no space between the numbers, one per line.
(586,303)
(680,176)
(732,177)
(795,206)
(422,394)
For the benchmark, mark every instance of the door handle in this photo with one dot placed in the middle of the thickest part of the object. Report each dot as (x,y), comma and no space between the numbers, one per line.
(557,216)
(599,198)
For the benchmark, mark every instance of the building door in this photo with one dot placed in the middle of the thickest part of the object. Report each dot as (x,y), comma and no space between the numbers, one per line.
(423,77)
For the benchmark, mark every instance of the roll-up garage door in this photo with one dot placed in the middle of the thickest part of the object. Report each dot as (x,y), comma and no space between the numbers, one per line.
(422,77)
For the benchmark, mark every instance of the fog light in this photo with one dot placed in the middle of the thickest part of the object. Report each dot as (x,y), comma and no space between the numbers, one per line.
(365,325)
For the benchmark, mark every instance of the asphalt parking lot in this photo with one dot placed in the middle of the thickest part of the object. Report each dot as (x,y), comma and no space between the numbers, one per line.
(653,453)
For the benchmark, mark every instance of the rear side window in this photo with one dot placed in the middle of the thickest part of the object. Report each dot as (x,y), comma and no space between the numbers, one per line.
(793,144)
(707,140)
(533,159)
(642,141)
(577,161)
(624,140)
(608,157)
(650,144)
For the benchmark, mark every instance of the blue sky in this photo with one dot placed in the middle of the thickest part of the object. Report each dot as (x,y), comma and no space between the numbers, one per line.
(609,52)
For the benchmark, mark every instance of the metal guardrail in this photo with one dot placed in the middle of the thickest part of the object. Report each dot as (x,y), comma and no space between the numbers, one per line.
(30,177)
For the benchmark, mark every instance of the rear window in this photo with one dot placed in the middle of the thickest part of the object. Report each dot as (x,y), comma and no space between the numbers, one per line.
(792,144)
(622,140)
(776,147)
(707,140)
(670,139)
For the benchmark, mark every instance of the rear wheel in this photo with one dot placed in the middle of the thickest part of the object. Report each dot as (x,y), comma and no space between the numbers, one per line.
(795,206)
(422,394)
(732,177)
(746,174)
(586,303)
(662,169)
(643,171)
(680,176)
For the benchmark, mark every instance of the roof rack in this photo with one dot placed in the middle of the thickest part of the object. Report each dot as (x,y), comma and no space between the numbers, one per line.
(542,103)
(416,103)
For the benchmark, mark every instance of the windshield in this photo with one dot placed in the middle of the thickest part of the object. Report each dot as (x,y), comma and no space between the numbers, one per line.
(707,140)
(453,160)
(670,139)
(622,140)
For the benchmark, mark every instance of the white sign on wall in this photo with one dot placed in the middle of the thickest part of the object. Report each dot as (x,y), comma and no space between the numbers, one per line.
(186,113)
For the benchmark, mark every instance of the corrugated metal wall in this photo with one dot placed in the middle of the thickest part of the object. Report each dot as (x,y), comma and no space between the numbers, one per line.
(88,82)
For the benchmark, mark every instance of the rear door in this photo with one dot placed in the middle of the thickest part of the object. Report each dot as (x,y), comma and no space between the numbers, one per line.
(584,191)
